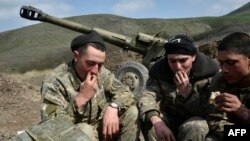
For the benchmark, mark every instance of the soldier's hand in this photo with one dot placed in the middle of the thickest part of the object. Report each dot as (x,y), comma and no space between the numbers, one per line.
(162,132)
(227,102)
(89,86)
(87,90)
(182,83)
(110,124)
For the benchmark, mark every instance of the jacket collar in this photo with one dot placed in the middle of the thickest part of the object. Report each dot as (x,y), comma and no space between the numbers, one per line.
(203,67)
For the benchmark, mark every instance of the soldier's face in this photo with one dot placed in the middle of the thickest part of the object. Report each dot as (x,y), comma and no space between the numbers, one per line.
(234,66)
(90,61)
(180,62)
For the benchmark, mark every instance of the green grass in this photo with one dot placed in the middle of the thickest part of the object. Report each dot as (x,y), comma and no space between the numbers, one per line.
(44,46)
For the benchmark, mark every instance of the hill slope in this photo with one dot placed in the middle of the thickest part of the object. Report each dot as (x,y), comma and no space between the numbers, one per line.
(44,46)
(242,11)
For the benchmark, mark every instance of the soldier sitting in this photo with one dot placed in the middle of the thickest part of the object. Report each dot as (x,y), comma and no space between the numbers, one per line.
(89,94)
(170,107)
(232,105)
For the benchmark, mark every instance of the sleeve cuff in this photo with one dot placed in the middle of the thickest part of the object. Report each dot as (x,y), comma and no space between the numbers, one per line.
(75,107)
(183,99)
(151,113)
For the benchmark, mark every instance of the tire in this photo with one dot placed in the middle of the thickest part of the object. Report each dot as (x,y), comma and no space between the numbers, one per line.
(132,74)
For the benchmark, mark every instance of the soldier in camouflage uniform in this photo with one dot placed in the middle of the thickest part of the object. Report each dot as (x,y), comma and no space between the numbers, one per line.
(232,106)
(170,107)
(89,94)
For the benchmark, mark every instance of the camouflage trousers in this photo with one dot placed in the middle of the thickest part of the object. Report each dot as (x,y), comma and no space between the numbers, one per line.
(193,129)
(128,127)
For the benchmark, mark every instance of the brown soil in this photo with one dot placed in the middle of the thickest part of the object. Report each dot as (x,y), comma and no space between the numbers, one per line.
(19,104)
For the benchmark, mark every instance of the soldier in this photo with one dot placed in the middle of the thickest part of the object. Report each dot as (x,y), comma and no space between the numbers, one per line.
(89,94)
(232,105)
(171,100)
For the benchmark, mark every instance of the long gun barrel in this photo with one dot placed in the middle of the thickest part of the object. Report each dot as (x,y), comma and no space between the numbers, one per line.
(147,45)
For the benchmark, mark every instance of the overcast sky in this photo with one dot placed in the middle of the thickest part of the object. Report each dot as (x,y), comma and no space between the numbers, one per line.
(166,9)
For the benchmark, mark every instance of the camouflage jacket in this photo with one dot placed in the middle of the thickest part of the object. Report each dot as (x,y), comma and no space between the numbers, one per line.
(218,119)
(60,88)
(161,96)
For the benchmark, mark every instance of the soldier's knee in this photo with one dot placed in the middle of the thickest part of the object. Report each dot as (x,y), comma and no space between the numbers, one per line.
(130,117)
(195,124)
(85,127)
(89,131)
(132,112)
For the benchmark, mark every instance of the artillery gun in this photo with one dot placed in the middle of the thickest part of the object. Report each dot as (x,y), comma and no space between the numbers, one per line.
(132,74)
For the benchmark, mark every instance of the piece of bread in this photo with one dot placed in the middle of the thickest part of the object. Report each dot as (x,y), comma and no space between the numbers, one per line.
(213,96)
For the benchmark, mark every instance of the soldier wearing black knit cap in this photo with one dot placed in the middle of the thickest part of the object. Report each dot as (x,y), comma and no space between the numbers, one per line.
(89,94)
(171,107)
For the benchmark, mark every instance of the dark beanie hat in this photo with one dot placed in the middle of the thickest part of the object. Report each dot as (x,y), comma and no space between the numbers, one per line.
(180,44)
(90,37)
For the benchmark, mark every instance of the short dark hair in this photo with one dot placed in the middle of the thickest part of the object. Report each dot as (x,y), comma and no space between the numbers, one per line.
(238,42)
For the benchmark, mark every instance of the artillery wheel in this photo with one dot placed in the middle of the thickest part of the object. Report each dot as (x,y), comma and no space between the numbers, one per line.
(132,74)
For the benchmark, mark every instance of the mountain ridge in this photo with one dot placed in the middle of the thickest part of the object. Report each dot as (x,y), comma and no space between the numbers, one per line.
(44,46)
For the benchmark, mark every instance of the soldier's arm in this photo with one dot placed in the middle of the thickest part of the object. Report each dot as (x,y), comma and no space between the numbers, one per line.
(149,102)
(216,119)
(53,101)
(197,101)
(115,91)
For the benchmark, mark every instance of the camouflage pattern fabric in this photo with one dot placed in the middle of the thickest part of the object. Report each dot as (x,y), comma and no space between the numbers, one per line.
(194,129)
(162,98)
(218,119)
(174,110)
(129,129)
(61,86)
(58,129)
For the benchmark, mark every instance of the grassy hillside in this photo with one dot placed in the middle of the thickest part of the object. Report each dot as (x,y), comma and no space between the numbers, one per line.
(44,46)
(242,11)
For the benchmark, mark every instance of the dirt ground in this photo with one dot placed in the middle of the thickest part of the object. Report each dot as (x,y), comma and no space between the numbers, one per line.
(19,104)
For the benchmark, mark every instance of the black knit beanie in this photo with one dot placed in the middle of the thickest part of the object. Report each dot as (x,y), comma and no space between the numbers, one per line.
(90,37)
(180,44)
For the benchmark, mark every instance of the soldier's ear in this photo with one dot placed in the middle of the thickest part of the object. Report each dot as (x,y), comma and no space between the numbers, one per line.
(75,55)
(248,58)
(193,58)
